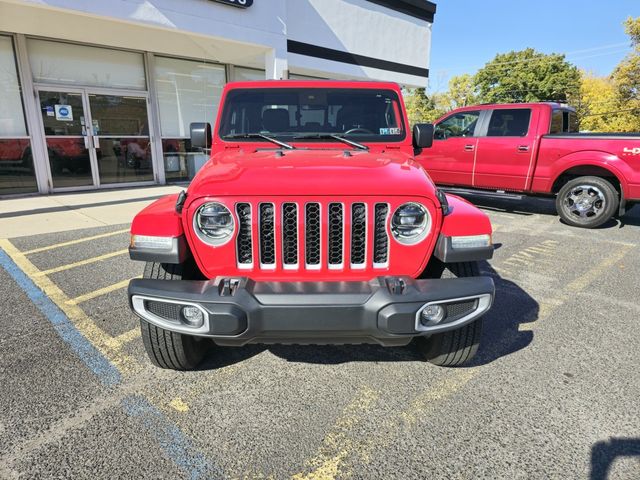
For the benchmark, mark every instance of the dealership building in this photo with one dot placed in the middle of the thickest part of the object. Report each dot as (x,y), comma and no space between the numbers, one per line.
(100,94)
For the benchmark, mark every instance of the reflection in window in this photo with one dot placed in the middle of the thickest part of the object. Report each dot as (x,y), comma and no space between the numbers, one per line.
(181,162)
(17,174)
(512,122)
(16,167)
(122,160)
(188,92)
(461,124)
(69,64)
(242,74)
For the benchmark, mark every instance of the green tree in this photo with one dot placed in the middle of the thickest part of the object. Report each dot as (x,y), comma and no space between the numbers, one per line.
(527,76)
(626,76)
(462,92)
(422,108)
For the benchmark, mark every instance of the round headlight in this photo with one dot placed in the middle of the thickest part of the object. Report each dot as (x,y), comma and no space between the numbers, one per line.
(410,223)
(214,224)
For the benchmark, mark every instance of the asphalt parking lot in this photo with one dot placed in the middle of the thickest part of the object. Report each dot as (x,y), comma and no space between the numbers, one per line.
(553,393)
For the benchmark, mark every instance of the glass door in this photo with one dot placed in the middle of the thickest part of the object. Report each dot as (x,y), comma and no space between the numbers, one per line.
(120,137)
(65,125)
(95,139)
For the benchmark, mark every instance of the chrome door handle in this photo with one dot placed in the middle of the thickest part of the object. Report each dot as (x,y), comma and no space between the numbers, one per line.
(468,148)
(96,142)
(523,148)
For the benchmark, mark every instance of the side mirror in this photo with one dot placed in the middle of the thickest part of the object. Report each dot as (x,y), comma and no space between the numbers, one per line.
(423,135)
(200,135)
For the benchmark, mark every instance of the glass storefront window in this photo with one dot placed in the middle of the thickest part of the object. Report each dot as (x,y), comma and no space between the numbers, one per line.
(69,64)
(188,91)
(181,162)
(242,74)
(17,174)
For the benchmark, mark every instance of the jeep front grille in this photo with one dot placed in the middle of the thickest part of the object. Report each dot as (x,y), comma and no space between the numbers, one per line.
(245,245)
(313,235)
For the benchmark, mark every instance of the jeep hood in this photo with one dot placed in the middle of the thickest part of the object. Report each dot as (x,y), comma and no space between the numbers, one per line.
(311,172)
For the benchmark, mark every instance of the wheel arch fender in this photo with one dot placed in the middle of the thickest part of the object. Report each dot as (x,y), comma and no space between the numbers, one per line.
(463,220)
(589,163)
(160,219)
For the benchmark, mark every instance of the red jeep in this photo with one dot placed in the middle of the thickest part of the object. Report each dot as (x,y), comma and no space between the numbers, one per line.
(535,148)
(310,224)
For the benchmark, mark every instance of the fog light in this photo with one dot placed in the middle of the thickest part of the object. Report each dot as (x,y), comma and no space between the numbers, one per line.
(192,316)
(432,314)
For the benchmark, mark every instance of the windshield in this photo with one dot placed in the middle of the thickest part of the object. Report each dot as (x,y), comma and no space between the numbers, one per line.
(308,114)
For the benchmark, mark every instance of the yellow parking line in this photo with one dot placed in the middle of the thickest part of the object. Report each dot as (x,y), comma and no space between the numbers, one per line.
(584,280)
(99,292)
(42,273)
(438,392)
(179,405)
(126,337)
(73,242)
(548,305)
(98,337)
(337,445)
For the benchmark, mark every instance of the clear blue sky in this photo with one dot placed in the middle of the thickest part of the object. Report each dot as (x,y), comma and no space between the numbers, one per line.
(469,33)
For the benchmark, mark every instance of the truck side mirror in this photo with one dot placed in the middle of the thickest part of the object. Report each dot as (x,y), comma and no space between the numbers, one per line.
(423,135)
(200,135)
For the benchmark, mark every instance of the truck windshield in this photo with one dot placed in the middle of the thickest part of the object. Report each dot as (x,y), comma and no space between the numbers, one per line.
(310,114)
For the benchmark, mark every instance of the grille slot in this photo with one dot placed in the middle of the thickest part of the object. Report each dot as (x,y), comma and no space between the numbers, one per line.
(381,238)
(267,234)
(312,234)
(457,310)
(290,234)
(336,234)
(168,311)
(244,241)
(358,234)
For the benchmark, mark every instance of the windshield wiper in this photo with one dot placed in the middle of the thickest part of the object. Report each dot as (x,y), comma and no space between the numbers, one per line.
(260,135)
(335,136)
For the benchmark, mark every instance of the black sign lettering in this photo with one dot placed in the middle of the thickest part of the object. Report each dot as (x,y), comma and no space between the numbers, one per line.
(236,3)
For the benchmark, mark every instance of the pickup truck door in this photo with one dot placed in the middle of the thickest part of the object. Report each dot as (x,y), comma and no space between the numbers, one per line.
(506,149)
(449,161)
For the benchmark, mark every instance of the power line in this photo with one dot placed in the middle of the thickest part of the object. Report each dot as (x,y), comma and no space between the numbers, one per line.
(615,112)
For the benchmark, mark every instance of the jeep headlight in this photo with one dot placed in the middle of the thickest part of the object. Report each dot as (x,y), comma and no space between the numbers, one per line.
(214,223)
(410,223)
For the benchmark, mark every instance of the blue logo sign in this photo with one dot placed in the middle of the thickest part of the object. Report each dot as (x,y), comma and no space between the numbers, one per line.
(64,111)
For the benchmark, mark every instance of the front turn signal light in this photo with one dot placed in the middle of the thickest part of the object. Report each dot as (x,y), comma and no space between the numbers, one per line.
(155,243)
(471,241)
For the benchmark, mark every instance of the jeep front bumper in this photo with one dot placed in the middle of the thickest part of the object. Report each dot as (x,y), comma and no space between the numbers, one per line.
(385,310)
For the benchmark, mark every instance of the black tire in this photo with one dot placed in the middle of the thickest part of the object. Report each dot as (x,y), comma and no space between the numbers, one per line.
(454,348)
(587,202)
(167,349)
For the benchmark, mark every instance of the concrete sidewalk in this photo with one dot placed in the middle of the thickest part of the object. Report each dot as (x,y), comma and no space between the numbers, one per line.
(71,211)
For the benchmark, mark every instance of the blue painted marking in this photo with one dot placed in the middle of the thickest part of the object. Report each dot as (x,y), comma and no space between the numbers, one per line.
(105,371)
(174,443)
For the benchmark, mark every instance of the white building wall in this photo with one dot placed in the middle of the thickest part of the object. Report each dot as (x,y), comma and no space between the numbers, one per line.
(253,37)
(359,27)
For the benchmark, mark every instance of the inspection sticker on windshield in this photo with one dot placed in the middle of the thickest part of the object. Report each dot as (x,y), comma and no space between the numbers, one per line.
(390,131)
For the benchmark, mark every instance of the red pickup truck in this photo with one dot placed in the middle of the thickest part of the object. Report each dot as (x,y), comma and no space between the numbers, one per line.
(535,148)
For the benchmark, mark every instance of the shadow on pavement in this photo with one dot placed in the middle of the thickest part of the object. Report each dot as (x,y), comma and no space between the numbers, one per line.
(604,454)
(512,307)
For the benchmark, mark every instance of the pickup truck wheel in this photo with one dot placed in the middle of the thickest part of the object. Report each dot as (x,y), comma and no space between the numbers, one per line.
(454,348)
(167,349)
(587,202)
